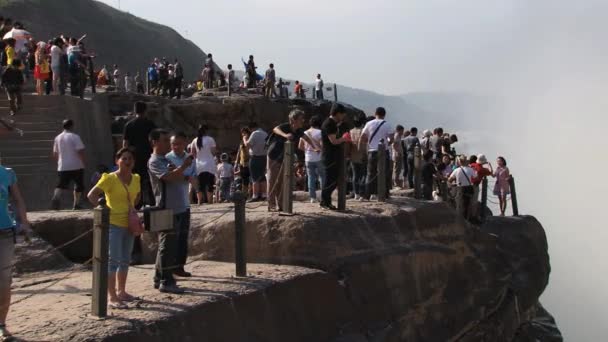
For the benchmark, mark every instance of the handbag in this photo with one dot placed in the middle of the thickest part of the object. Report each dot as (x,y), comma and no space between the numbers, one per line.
(135,226)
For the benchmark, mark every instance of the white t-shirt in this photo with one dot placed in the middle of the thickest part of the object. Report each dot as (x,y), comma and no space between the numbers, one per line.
(205,161)
(225,170)
(257,143)
(56,54)
(67,145)
(461,174)
(319,84)
(317,137)
(385,131)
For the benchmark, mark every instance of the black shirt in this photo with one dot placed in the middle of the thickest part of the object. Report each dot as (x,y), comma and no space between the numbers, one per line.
(136,133)
(330,151)
(276,147)
(428,170)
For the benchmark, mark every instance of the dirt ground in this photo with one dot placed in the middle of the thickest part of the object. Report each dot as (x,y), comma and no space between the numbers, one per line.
(56,306)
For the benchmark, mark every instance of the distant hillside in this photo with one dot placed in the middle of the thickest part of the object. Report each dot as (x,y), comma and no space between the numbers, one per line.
(117,37)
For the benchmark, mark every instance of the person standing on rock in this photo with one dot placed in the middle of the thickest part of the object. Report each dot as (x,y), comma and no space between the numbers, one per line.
(319,87)
(463,177)
(410,142)
(135,136)
(68,150)
(312,157)
(397,157)
(358,158)
(251,73)
(9,190)
(331,152)
(178,79)
(256,143)
(168,185)
(177,157)
(290,131)
(376,132)
(230,77)
(269,81)
(204,150)
(122,192)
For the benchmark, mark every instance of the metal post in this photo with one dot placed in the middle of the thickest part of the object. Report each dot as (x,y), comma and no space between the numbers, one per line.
(513,196)
(101,229)
(417,172)
(335,93)
(314,93)
(287,195)
(381,172)
(239,234)
(342,178)
(484,197)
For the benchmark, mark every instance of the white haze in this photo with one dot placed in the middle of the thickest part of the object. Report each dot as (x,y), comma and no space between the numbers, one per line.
(545,59)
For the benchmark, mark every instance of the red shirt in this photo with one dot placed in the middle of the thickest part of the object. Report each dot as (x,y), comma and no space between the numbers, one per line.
(481,173)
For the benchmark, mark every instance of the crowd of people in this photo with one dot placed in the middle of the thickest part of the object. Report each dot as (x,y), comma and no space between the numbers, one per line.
(157,167)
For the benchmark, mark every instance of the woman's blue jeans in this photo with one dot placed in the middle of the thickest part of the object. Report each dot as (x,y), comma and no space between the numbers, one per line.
(314,171)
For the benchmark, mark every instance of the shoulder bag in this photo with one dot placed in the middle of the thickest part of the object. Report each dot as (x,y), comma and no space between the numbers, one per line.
(135,225)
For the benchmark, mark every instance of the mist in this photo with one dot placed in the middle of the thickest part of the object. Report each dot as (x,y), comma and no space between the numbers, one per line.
(549,124)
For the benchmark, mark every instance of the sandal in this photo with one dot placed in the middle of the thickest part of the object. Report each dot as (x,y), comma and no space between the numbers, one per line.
(118,305)
(128,298)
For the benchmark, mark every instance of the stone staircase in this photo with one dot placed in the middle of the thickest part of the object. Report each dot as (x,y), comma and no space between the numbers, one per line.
(30,154)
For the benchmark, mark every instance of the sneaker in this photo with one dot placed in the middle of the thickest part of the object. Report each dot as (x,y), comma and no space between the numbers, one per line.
(373,198)
(170,289)
(357,197)
(313,200)
(253,199)
(328,206)
(182,273)
(12,113)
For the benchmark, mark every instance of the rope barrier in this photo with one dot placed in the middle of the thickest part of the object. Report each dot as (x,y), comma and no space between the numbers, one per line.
(53,249)
(37,292)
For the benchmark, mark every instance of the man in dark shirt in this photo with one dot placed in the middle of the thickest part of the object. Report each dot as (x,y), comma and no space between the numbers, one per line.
(136,136)
(429,173)
(292,131)
(12,80)
(331,152)
(410,143)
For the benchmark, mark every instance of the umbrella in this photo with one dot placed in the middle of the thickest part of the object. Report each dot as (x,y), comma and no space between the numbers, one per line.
(17,34)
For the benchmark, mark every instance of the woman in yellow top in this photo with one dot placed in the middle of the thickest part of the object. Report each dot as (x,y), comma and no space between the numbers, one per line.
(10,50)
(114,186)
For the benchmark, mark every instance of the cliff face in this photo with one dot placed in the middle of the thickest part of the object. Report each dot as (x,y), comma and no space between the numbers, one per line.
(403,271)
(116,37)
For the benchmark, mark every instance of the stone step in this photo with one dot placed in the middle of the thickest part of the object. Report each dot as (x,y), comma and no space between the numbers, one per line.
(21,142)
(31,168)
(25,152)
(32,135)
(32,125)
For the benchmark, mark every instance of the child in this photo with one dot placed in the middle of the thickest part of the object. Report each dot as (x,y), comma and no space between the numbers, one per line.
(225,175)
(12,80)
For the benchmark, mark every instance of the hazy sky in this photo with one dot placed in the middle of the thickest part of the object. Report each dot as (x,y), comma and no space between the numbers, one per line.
(547,59)
(390,46)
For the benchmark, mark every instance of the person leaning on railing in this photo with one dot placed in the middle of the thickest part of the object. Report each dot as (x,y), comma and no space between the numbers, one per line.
(122,192)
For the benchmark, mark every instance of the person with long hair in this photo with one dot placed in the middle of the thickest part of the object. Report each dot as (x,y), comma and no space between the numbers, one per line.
(122,192)
(204,150)
(42,69)
(502,187)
